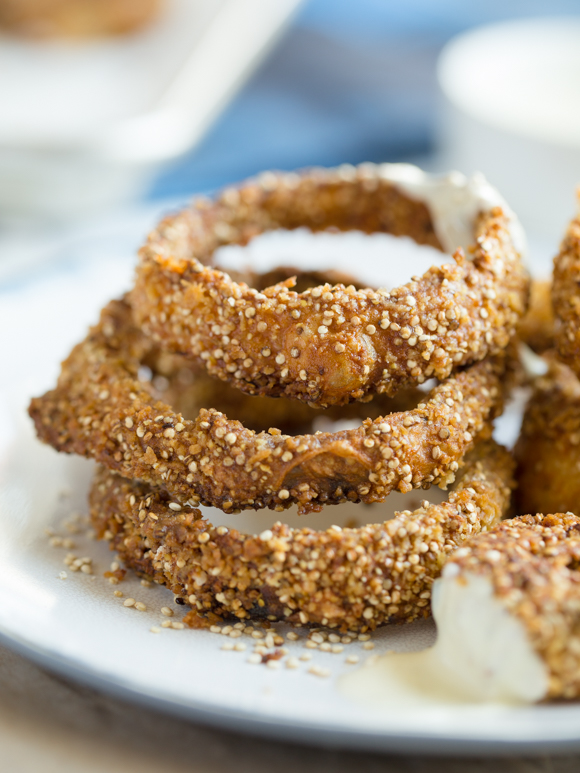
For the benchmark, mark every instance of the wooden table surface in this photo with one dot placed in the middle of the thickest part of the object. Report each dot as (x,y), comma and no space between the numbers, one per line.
(51,725)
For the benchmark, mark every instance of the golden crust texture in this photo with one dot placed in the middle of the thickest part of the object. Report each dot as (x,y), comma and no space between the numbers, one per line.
(355,579)
(536,328)
(548,450)
(102,410)
(565,296)
(533,564)
(330,344)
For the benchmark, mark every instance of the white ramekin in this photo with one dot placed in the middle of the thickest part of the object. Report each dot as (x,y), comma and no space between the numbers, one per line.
(511,109)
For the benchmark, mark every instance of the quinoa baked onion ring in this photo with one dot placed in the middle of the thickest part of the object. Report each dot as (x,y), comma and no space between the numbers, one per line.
(356,579)
(508,623)
(565,297)
(536,328)
(335,344)
(548,450)
(100,409)
(531,565)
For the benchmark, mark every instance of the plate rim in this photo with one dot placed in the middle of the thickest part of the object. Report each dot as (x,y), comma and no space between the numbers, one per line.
(332,736)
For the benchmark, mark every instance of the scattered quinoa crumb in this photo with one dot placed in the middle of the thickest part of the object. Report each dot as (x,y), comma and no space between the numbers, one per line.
(319,671)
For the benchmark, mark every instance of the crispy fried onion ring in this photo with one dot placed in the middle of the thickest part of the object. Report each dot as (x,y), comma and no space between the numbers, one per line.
(532,563)
(548,450)
(330,344)
(100,409)
(565,297)
(352,578)
(536,328)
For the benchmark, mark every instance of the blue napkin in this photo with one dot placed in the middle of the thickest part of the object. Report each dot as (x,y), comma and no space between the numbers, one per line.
(349,81)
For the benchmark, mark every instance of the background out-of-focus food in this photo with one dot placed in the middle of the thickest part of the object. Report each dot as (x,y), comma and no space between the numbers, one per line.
(163,112)
(87,124)
(512,107)
(351,82)
(75,18)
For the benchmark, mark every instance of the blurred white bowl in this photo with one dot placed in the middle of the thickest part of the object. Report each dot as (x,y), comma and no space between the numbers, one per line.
(86,126)
(512,110)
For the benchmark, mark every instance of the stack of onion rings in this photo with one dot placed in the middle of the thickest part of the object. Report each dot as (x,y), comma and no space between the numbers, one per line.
(129,398)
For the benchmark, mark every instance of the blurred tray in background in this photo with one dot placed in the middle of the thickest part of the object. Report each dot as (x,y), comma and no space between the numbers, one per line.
(87,125)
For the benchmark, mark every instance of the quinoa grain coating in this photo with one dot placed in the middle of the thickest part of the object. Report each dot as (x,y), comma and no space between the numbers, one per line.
(329,344)
(100,409)
(355,579)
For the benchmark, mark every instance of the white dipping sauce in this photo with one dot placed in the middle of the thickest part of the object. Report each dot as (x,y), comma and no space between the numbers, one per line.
(382,260)
(482,655)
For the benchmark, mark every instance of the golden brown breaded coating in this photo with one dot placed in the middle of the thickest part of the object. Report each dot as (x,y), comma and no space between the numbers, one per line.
(102,410)
(566,298)
(187,387)
(356,579)
(532,562)
(329,344)
(536,328)
(548,450)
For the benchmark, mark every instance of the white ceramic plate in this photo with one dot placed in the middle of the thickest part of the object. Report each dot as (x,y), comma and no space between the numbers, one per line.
(77,626)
